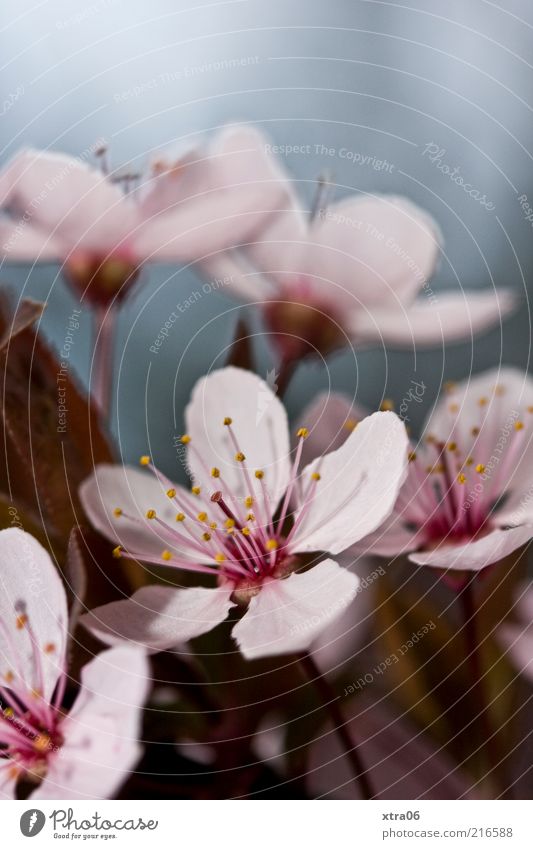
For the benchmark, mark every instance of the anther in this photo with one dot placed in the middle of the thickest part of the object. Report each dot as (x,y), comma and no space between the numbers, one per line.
(171,493)
(387,405)
(202,516)
(195,490)
(461,478)
(228,421)
(206,537)
(302,433)
(180,517)
(518,425)
(351,424)
(271,544)
(259,474)
(166,554)
(229,523)
(480,468)
(248,501)
(21,621)
(144,460)
(117,552)
(185,439)
(215,473)
(239,456)
(411,456)
(219,557)
(150,514)
(315,476)
(117,512)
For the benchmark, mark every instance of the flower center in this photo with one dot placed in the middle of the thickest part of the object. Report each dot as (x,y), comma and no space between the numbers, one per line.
(101,278)
(452,488)
(304,327)
(29,723)
(241,539)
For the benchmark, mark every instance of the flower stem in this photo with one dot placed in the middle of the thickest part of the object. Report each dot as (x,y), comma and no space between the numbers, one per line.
(102,385)
(475,661)
(331,704)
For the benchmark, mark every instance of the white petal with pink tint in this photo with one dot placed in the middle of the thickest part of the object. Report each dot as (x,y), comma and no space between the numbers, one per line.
(80,206)
(101,732)
(451,317)
(473,556)
(30,587)
(358,486)
(377,250)
(20,243)
(134,491)
(259,424)
(214,201)
(286,616)
(159,617)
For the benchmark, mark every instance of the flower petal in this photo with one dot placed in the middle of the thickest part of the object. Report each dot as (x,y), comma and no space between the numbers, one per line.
(213,201)
(445,318)
(377,250)
(358,486)
(473,556)
(287,615)
(101,733)
(329,418)
(33,612)
(259,424)
(65,197)
(134,492)
(28,244)
(159,617)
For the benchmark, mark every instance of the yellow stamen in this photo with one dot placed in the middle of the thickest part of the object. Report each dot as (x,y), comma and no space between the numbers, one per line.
(42,742)
(475,431)
(229,523)
(250,517)
(315,476)
(206,537)
(166,554)
(461,478)
(480,468)
(171,493)
(9,712)
(219,557)
(195,490)
(185,439)
(21,621)
(228,421)
(482,402)
(271,544)
(518,425)
(215,473)
(240,457)
(202,516)
(150,514)
(411,456)
(387,405)
(259,474)
(144,460)
(245,532)
(351,424)
(469,461)
(180,517)
(117,512)
(452,446)
(248,501)
(9,677)
(212,525)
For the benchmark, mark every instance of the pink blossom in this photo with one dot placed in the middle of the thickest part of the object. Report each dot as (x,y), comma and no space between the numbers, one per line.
(253,521)
(87,752)
(58,208)
(468,498)
(354,272)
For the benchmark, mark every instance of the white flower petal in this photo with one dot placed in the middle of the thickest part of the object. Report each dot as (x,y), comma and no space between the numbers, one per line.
(159,617)
(474,556)
(30,587)
(259,423)
(287,615)
(358,486)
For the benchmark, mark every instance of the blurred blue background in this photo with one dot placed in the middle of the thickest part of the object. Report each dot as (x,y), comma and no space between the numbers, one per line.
(381,79)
